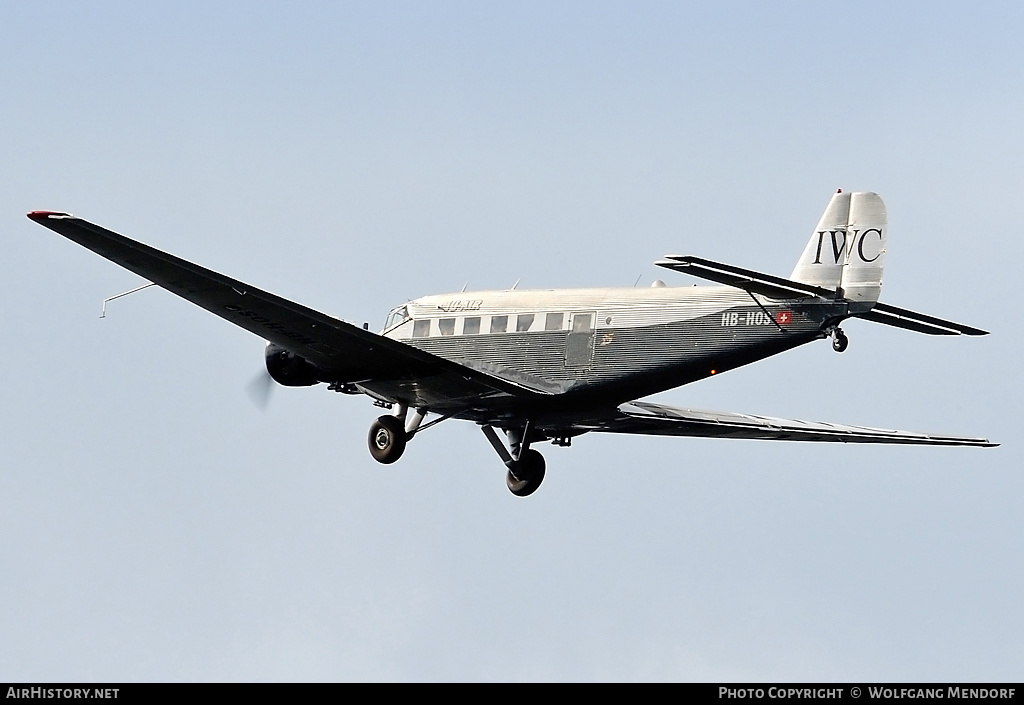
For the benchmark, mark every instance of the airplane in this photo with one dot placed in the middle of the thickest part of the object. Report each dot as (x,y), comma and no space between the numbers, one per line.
(552,365)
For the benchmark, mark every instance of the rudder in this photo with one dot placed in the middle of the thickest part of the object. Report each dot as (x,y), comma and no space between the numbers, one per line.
(846,252)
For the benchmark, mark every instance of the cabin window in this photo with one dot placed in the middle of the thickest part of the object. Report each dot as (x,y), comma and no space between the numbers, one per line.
(446,326)
(471,326)
(581,322)
(553,321)
(421,328)
(499,324)
(524,322)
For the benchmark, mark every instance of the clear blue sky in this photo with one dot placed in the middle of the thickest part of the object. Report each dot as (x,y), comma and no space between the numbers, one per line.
(350,156)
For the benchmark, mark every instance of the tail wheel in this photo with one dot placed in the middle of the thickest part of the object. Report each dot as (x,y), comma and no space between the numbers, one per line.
(525,475)
(387,439)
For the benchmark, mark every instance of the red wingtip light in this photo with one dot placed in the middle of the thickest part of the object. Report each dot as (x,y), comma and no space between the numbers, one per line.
(40,216)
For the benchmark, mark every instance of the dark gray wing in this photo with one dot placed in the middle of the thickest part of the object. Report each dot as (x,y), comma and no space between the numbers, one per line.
(659,420)
(398,371)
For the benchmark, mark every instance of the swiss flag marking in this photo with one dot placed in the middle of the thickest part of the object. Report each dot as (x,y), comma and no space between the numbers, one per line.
(783,317)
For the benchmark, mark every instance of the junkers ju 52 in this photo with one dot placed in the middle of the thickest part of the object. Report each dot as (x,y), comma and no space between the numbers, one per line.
(552,365)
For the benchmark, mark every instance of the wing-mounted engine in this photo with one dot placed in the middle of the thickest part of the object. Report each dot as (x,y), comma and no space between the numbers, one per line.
(288,369)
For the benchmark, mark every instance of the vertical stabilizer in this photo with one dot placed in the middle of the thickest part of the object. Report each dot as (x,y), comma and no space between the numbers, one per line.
(822,261)
(847,249)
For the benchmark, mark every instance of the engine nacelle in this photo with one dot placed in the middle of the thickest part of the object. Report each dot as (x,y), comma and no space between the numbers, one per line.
(288,369)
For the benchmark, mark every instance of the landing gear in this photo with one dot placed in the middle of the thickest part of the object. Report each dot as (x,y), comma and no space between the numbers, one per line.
(390,434)
(387,439)
(525,465)
(839,340)
(525,475)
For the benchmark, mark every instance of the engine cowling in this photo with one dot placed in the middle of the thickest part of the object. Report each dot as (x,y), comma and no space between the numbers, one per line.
(291,370)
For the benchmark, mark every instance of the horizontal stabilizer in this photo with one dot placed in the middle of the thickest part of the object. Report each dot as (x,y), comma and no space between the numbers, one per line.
(746,279)
(656,419)
(902,318)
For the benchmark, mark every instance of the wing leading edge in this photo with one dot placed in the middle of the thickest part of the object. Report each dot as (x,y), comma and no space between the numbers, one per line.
(656,419)
(400,371)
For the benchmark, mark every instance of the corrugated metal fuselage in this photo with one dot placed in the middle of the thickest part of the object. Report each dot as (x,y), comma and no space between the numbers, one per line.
(608,346)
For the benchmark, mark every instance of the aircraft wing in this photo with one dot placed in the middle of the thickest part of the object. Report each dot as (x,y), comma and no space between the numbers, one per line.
(659,420)
(398,370)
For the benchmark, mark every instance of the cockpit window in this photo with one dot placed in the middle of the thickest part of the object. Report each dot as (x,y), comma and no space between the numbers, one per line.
(396,317)
(499,324)
(524,322)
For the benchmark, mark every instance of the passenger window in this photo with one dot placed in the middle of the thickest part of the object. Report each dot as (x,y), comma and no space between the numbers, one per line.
(446,326)
(421,328)
(524,322)
(581,322)
(553,321)
(499,324)
(471,326)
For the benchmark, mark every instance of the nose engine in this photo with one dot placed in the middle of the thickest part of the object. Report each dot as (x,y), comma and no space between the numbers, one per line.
(288,369)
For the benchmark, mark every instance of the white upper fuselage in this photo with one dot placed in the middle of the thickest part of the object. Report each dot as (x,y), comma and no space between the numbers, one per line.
(509,311)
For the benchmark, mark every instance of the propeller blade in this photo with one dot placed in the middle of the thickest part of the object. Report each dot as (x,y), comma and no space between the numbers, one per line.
(259,390)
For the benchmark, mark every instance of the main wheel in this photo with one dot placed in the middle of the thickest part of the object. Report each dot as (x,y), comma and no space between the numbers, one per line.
(840,342)
(526,474)
(387,439)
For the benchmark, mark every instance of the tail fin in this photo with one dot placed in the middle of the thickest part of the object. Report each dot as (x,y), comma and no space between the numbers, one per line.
(847,250)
